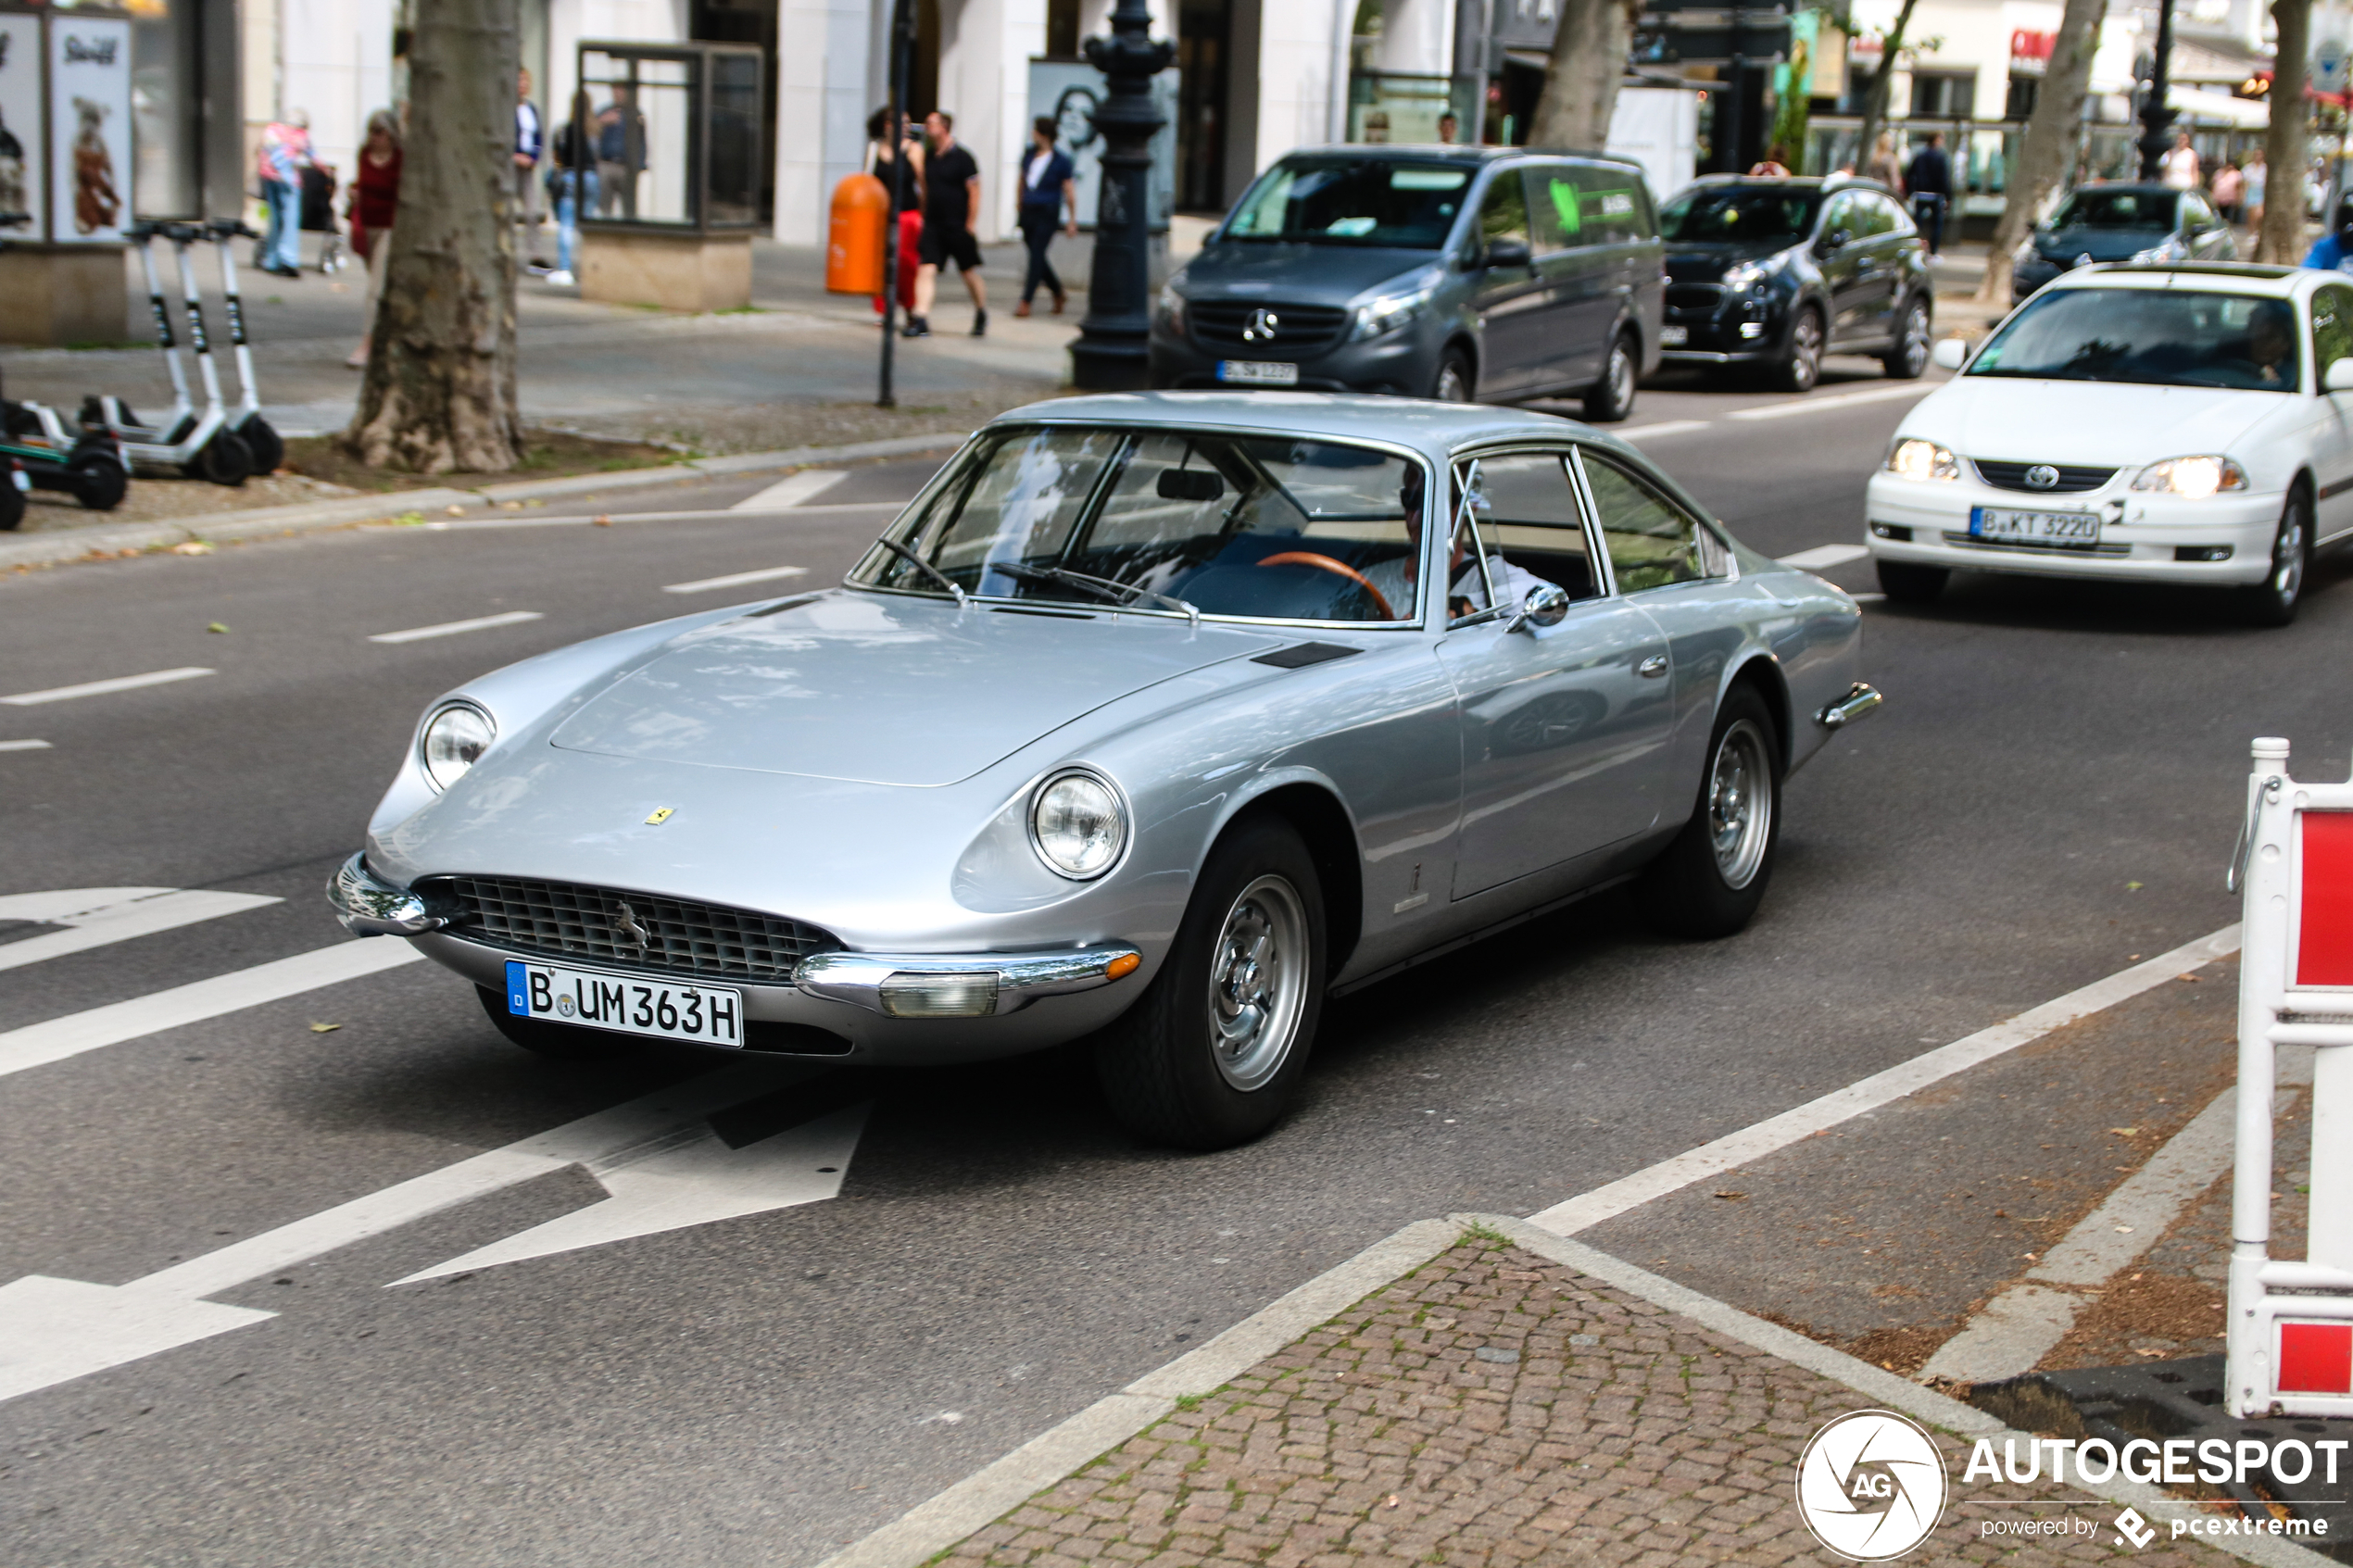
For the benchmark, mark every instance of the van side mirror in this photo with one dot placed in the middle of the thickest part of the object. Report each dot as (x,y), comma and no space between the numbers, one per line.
(2339,376)
(1189,484)
(1950,353)
(1506,253)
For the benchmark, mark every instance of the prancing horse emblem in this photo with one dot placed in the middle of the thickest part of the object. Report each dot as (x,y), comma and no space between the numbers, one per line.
(2041,476)
(1260,327)
(625,926)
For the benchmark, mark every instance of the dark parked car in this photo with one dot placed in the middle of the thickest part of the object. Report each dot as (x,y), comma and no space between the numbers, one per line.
(2121,223)
(1451,272)
(1776,273)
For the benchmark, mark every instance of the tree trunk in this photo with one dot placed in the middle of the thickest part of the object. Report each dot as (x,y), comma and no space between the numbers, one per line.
(2049,151)
(2285,153)
(1882,83)
(1581,82)
(440,392)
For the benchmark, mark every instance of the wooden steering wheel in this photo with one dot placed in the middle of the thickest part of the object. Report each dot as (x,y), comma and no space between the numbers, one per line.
(1325,563)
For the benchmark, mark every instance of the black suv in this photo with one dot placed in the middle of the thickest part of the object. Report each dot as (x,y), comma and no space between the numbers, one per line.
(1452,272)
(1776,273)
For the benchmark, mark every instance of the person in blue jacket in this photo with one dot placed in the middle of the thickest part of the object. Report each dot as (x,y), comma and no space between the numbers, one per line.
(1048,188)
(2335,249)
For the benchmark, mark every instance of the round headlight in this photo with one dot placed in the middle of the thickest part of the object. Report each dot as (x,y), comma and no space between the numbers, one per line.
(454,741)
(1078,825)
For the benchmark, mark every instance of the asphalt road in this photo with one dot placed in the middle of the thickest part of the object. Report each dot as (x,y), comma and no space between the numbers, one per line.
(2050,792)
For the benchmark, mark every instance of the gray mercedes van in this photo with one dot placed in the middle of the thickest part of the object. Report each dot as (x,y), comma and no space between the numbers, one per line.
(1494,273)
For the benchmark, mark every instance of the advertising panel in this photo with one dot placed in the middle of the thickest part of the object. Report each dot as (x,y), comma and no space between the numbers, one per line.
(88,129)
(21,181)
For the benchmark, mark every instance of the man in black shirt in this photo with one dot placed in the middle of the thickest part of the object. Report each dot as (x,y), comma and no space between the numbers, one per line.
(1930,180)
(951,202)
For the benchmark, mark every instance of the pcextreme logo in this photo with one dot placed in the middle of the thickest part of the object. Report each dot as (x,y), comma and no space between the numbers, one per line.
(1871,1486)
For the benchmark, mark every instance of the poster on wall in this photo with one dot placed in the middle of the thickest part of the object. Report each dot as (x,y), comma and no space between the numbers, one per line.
(20,170)
(88,129)
(1069,92)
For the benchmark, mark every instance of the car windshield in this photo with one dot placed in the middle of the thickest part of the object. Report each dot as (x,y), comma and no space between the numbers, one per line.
(2160,337)
(2116,210)
(1332,201)
(1167,520)
(1737,213)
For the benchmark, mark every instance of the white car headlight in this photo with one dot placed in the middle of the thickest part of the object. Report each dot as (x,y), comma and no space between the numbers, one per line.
(1389,312)
(2194,477)
(2172,250)
(1913,459)
(454,740)
(1172,309)
(1080,826)
(1737,280)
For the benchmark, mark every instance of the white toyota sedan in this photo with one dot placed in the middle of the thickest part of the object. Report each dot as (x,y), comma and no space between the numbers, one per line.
(2189,423)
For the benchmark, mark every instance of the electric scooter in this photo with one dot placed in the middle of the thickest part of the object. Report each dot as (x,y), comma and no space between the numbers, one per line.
(269,448)
(38,452)
(196,442)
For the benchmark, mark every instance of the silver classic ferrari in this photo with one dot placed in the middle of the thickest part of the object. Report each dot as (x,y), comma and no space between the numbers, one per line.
(1155,718)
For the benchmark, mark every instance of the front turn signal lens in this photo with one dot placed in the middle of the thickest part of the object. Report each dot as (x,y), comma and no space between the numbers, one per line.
(917,994)
(1123,966)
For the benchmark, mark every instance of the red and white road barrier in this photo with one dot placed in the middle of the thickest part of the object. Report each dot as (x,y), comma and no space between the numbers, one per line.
(2291,1324)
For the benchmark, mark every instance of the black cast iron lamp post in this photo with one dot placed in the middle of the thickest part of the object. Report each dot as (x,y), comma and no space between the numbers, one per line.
(1113,353)
(2156,116)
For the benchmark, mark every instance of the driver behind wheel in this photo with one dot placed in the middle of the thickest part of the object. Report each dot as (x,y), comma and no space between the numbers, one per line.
(1466,589)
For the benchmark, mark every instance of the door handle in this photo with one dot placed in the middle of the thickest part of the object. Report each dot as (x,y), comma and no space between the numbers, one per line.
(1654,665)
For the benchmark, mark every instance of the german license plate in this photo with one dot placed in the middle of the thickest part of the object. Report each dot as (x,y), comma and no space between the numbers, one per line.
(2075,529)
(1258,372)
(1674,337)
(627,1004)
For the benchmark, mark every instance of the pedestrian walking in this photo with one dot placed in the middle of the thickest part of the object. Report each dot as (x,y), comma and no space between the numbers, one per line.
(1886,166)
(1929,181)
(2251,180)
(1049,191)
(621,154)
(530,145)
(1449,129)
(572,183)
(375,200)
(285,152)
(2230,190)
(882,153)
(951,205)
(2179,167)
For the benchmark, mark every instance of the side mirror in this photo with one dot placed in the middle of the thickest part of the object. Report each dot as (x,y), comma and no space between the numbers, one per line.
(1189,484)
(1950,353)
(2339,376)
(1506,253)
(1547,604)
(1835,240)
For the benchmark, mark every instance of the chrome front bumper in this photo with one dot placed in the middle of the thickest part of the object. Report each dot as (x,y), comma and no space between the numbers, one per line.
(368,906)
(1860,702)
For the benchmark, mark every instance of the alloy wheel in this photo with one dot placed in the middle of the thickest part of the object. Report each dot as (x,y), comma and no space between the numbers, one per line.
(2286,581)
(1915,342)
(1258,983)
(1740,804)
(1805,352)
(1621,375)
(1451,388)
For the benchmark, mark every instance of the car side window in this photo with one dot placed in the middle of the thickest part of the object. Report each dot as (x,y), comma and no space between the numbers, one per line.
(1612,198)
(2332,327)
(1894,220)
(2196,214)
(1839,214)
(1503,211)
(1555,213)
(1528,526)
(1651,542)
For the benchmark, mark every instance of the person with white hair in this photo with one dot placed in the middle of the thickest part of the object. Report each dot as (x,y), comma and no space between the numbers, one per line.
(284,155)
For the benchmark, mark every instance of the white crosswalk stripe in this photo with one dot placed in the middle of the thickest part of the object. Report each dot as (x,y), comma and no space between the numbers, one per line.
(101,689)
(1822,557)
(94,917)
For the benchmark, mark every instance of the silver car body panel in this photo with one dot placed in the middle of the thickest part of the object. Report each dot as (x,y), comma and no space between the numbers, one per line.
(862,760)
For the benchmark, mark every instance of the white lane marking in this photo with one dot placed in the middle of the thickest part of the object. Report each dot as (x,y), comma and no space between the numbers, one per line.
(55,1330)
(451,628)
(36,1045)
(1734,1149)
(1822,557)
(1664,427)
(1836,400)
(100,688)
(459,525)
(791,491)
(24,746)
(735,579)
(154,910)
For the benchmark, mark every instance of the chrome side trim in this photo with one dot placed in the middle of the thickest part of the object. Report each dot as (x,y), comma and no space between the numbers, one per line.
(1860,702)
(857,978)
(368,906)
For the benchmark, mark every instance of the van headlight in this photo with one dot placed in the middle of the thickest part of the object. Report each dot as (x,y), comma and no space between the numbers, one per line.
(453,741)
(1913,459)
(1172,309)
(1079,824)
(1389,312)
(2196,478)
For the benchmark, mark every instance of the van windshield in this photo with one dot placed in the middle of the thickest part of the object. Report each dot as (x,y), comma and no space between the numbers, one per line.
(1354,201)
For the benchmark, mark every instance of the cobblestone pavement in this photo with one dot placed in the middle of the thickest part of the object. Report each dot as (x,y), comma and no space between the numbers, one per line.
(1495,1408)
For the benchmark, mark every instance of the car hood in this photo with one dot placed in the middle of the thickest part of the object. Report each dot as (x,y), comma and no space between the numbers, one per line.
(882,689)
(1689,263)
(2087,422)
(2100,244)
(1309,274)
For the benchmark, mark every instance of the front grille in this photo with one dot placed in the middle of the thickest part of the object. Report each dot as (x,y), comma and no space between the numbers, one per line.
(1694,296)
(563,920)
(2012,476)
(1298,329)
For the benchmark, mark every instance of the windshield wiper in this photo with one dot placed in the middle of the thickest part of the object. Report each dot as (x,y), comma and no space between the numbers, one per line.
(912,558)
(1120,593)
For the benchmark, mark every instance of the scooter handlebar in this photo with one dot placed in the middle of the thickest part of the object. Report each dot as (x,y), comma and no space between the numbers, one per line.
(15,219)
(231,228)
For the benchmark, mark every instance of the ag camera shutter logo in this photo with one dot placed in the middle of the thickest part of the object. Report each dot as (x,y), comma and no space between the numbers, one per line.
(1871,1486)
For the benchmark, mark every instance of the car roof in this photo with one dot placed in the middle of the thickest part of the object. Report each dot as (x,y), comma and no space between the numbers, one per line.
(2129,187)
(1453,152)
(1438,430)
(1793,182)
(2215,277)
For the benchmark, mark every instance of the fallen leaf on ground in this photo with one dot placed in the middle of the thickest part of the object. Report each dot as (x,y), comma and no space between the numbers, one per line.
(324,1028)
(461,512)
(191,547)
(215,626)
(1392,1501)
(2132,888)
(1733,1195)
(2124,1132)
(604,522)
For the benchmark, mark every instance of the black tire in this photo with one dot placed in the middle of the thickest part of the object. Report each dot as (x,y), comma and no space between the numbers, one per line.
(225,460)
(97,480)
(1712,878)
(1162,1066)
(1911,583)
(1906,357)
(1801,362)
(11,502)
(1454,382)
(261,438)
(2274,601)
(557,1042)
(1611,398)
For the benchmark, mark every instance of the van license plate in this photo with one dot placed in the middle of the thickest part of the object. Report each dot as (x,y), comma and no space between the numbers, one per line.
(1257,372)
(627,1004)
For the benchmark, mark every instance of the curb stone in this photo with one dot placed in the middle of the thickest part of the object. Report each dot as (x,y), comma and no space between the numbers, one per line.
(73,543)
(946,1519)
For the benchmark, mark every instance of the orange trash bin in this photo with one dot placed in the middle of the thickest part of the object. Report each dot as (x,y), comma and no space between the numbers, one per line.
(854,236)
